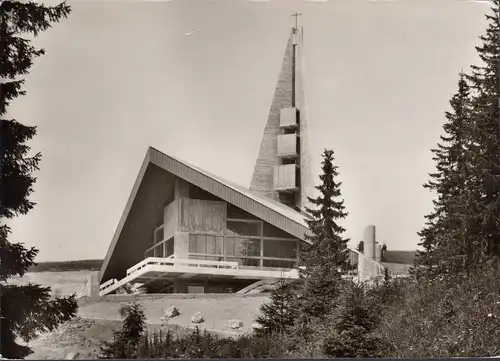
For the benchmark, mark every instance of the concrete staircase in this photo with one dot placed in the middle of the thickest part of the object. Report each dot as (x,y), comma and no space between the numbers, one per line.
(259,287)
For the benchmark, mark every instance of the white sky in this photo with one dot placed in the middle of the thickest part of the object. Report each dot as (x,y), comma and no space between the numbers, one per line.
(120,76)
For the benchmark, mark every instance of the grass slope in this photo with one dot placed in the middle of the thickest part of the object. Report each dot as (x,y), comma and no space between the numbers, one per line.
(217,309)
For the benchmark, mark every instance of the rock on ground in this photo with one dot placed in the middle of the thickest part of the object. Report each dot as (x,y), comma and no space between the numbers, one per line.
(170,312)
(197,318)
(235,324)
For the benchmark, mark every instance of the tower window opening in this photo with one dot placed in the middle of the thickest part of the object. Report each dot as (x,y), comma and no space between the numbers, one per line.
(288,161)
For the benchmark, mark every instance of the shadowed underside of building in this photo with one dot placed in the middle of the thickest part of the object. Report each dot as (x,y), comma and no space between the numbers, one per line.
(184,230)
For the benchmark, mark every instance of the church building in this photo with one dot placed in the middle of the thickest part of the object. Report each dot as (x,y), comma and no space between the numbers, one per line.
(185,230)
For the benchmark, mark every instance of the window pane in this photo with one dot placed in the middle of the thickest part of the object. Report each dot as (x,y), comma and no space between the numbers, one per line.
(197,243)
(242,247)
(169,247)
(202,243)
(235,228)
(280,249)
(192,243)
(279,264)
(214,245)
(271,231)
(159,251)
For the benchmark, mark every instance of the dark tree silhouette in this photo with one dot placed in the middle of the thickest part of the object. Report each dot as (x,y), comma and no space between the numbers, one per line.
(24,310)
(463,231)
(325,257)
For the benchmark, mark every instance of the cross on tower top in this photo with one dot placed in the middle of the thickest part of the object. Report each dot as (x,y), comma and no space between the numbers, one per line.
(296,19)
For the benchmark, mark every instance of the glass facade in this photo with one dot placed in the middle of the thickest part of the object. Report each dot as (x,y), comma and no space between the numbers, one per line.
(236,246)
(204,243)
(247,228)
(246,240)
(271,231)
(250,242)
(280,249)
(275,263)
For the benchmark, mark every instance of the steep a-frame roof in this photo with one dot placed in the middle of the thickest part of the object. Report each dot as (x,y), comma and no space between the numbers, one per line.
(273,212)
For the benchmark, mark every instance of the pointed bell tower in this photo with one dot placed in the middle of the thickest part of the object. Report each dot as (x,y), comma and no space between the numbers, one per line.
(282,168)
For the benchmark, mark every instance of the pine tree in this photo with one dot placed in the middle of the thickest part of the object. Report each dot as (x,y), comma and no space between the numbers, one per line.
(325,257)
(280,314)
(24,310)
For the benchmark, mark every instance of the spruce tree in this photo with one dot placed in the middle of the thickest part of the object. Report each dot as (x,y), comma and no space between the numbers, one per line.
(464,229)
(325,257)
(485,162)
(129,338)
(24,310)
(355,319)
(443,235)
(280,313)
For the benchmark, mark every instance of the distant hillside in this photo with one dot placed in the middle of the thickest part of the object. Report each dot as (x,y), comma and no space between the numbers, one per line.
(400,257)
(83,265)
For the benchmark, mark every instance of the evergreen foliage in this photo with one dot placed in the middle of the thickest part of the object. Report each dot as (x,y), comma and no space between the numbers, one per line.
(444,231)
(127,340)
(199,344)
(353,324)
(278,315)
(361,246)
(485,81)
(25,310)
(324,258)
(387,276)
(463,231)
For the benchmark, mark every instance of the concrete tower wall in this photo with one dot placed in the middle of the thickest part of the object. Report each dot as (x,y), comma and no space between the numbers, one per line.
(369,242)
(306,181)
(263,175)
(276,174)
